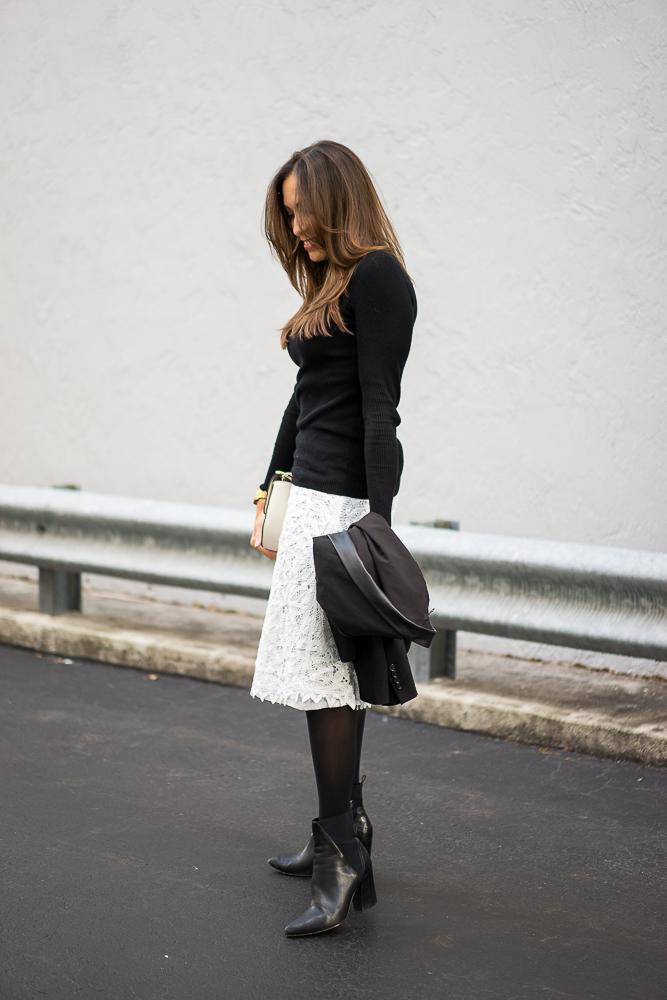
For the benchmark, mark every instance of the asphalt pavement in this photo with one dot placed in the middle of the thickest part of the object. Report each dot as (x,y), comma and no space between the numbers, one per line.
(138,814)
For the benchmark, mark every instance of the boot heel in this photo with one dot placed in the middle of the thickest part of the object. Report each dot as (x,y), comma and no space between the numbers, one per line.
(365,896)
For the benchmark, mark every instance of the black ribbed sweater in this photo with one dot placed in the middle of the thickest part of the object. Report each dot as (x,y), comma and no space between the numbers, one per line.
(338,433)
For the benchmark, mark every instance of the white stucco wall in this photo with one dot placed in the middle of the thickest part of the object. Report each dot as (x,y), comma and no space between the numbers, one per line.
(520,146)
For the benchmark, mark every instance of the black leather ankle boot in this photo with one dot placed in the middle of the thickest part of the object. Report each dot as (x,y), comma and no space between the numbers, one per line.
(296,864)
(336,884)
(302,863)
(363,828)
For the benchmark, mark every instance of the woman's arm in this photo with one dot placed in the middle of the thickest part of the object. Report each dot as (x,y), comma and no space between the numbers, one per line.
(281,460)
(256,540)
(385,310)
(283,452)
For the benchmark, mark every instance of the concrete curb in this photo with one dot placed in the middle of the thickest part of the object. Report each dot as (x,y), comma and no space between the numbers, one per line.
(535,723)
(128,648)
(440,704)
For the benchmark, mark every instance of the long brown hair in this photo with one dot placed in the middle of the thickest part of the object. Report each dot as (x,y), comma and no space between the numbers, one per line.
(345,218)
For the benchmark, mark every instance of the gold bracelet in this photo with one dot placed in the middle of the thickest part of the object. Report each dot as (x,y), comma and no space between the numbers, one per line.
(259,495)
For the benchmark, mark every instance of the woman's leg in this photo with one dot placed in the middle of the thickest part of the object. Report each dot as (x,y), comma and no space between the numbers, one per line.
(330,741)
(333,744)
(336,738)
(363,828)
(361,719)
(336,762)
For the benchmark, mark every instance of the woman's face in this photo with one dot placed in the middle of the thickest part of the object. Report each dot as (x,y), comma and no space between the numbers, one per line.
(300,223)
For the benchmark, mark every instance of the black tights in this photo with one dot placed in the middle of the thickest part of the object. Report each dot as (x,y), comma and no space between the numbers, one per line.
(336,735)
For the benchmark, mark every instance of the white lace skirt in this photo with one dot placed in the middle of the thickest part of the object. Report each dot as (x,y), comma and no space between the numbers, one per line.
(297,660)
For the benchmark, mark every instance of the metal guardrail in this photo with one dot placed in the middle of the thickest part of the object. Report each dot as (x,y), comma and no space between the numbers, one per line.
(184,545)
(558,593)
(581,596)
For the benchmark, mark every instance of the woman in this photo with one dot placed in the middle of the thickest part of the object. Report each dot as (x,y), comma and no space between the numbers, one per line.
(350,340)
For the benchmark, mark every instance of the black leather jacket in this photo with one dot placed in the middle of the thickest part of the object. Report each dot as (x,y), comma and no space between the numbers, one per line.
(376,600)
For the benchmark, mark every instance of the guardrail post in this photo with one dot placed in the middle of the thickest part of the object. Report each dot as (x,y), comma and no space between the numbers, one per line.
(440,659)
(442,655)
(437,661)
(443,648)
(59,591)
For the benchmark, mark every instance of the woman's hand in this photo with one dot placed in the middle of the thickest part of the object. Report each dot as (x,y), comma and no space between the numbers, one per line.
(256,540)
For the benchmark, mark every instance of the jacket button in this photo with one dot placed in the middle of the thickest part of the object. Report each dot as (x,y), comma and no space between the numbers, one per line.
(394,676)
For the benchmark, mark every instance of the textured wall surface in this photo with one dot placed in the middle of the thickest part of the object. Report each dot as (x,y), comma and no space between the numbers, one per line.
(520,147)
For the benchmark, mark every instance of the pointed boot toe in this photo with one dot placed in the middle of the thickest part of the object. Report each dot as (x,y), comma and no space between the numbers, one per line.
(313,921)
(296,864)
(335,885)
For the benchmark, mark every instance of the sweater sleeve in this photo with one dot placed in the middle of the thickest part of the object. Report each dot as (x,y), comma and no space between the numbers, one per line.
(385,310)
(283,452)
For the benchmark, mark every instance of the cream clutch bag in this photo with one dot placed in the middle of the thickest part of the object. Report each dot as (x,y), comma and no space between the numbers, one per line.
(275,506)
